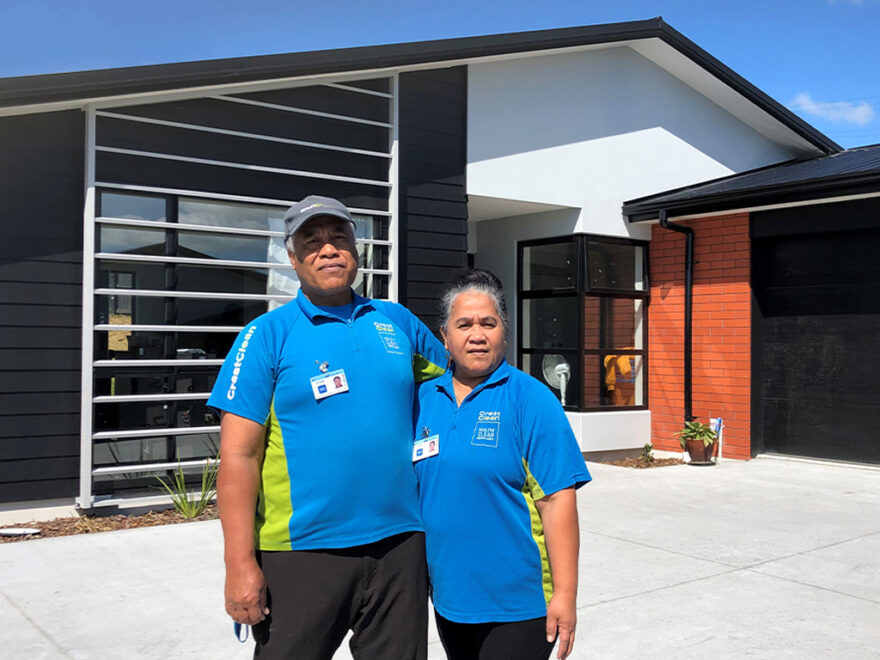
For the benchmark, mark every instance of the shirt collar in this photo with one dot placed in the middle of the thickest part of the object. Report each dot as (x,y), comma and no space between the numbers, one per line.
(312,311)
(501,373)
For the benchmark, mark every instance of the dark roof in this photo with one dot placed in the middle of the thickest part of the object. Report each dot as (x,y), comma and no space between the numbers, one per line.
(59,87)
(850,172)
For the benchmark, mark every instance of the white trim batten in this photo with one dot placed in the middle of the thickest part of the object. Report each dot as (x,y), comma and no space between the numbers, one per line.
(241,166)
(241,134)
(155,432)
(193,261)
(164,225)
(359,90)
(394,192)
(109,327)
(150,467)
(85,499)
(153,293)
(302,111)
(194,362)
(201,194)
(135,398)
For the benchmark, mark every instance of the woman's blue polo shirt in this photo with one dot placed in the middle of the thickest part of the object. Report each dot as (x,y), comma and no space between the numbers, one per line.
(508,445)
(337,470)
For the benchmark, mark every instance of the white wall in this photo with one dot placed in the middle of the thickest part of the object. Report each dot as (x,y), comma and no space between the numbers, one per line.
(593,129)
(588,131)
(496,242)
(611,431)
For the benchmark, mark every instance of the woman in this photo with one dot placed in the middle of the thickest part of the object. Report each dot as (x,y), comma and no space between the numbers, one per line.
(498,466)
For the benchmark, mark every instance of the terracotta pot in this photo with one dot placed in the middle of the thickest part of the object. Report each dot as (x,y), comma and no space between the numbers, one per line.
(698,452)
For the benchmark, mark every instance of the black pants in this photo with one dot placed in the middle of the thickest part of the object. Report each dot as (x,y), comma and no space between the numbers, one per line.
(378,590)
(513,640)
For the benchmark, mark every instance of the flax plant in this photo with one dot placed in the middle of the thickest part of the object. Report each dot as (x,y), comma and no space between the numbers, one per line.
(192,506)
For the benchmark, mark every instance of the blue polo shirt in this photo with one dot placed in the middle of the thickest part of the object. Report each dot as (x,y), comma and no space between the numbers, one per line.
(338,469)
(508,445)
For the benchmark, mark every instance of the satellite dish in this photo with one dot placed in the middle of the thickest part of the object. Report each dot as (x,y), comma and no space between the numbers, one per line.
(557,373)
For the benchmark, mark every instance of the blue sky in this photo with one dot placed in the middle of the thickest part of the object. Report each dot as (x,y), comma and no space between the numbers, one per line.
(819,57)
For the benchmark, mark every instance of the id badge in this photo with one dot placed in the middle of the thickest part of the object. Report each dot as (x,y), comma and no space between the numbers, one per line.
(426,448)
(329,384)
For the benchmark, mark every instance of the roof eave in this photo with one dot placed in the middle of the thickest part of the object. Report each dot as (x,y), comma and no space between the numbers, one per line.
(85,85)
(32,90)
(768,195)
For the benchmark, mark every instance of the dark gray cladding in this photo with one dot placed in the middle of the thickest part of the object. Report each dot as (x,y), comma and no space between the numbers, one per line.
(433,202)
(41,203)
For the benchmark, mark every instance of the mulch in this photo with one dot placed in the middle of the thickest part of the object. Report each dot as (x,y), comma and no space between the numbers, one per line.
(641,464)
(92,524)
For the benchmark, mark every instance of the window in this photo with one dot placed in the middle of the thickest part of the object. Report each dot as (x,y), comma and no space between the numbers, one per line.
(582,320)
(176,278)
(189,201)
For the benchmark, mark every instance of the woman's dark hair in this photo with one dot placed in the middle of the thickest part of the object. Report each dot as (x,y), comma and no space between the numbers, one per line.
(477,281)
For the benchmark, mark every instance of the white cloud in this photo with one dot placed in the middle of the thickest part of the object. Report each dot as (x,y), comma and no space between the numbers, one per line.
(834,111)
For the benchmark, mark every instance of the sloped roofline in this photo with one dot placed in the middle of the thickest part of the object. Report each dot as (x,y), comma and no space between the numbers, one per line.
(84,85)
(853,172)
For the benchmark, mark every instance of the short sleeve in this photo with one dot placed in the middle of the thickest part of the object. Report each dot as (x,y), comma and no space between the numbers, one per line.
(246,381)
(551,453)
(429,355)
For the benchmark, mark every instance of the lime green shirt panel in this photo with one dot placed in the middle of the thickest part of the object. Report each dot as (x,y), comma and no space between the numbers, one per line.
(424,369)
(532,492)
(274,504)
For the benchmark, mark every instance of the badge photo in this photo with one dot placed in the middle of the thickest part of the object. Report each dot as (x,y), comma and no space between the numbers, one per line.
(328,384)
(425,448)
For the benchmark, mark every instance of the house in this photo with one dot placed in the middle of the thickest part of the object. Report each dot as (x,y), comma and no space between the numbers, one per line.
(786,307)
(141,219)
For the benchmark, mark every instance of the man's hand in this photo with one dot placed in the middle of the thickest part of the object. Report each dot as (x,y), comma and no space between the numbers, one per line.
(561,620)
(246,593)
(241,452)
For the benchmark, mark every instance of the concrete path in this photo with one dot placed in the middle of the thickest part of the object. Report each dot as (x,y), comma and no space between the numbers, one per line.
(764,559)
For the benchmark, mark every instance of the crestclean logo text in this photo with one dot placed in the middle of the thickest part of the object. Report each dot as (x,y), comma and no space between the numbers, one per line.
(239,358)
(489,416)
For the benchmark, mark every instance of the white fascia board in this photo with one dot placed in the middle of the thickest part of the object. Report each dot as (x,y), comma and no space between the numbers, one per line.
(766,207)
(695,76)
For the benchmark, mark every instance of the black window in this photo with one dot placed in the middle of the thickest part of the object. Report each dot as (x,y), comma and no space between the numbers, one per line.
(582,320)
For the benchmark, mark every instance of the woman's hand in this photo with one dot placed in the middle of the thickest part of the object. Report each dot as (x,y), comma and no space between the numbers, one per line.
(561,622)
(558,513)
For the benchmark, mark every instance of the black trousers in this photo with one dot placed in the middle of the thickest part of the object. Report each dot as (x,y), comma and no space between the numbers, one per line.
(506,640)
(377,590)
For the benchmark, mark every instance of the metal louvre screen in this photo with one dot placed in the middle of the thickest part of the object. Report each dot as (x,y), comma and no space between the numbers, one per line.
(189,197)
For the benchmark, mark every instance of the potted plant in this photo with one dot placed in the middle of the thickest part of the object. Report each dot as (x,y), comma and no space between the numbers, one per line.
(699,439)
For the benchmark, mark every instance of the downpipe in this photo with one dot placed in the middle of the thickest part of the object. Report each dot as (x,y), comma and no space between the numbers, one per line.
(688,310)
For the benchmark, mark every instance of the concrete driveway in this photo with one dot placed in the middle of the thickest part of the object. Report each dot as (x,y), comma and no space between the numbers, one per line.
(763,559)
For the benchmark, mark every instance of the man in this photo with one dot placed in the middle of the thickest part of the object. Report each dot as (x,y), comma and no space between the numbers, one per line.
(317,493)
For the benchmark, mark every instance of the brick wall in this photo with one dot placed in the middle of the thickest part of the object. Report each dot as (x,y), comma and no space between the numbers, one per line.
(722,331)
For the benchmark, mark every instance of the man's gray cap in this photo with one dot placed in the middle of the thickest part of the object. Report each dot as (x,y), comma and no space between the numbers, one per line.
(312,207)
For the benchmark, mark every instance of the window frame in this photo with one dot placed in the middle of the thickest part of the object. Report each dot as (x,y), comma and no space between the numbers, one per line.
(582,291)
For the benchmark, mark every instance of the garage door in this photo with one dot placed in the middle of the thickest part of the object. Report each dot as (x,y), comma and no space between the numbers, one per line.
(816,352)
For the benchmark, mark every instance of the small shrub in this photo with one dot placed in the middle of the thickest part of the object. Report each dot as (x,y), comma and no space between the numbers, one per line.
(647,453)
(192,506)
(696,431)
